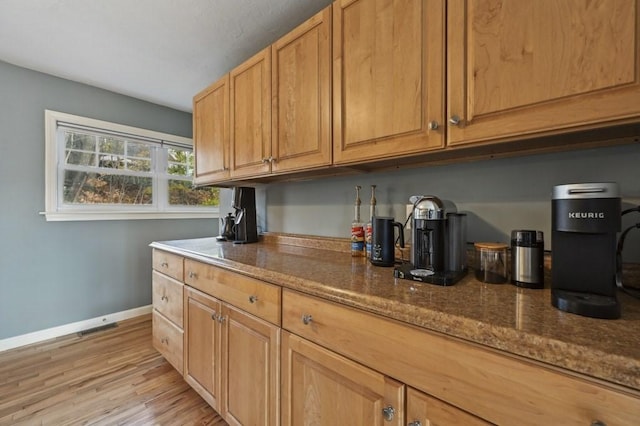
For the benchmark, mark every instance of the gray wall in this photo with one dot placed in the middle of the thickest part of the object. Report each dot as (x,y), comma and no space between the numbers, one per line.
(55,273)
(498,195)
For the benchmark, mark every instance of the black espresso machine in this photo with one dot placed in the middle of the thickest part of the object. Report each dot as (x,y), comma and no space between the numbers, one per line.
(438,243)
(585,218)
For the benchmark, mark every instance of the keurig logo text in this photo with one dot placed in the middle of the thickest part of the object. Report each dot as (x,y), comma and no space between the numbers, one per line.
(586,215)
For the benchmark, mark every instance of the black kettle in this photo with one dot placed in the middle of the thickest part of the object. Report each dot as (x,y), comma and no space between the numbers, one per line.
(227,227)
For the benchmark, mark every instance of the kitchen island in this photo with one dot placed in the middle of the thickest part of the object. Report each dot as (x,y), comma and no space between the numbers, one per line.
(518,323)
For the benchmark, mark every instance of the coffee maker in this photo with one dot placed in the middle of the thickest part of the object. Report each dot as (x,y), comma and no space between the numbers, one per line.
(243,200)
(585,220)
(438,243)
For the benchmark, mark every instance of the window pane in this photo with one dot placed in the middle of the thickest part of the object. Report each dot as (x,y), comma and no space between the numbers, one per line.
(80,149)
(80,158)
(98,188)
(183,193)
(111,145)
(180,162)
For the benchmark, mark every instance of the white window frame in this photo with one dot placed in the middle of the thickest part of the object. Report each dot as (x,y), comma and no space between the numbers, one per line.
(54,152)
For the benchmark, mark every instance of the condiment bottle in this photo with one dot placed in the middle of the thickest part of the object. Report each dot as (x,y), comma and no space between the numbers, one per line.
(357,230)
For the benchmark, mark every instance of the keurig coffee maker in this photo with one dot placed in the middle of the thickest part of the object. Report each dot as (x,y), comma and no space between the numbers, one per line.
(585,220)
(244,203)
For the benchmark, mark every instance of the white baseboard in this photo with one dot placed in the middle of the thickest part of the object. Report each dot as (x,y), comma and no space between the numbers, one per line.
(62,330)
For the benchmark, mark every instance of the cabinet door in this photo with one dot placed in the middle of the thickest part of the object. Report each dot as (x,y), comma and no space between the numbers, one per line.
(423,409)
(541,66)
(211,132)
(321,387)
(251,116)
(202,345)
(301,118)
(250,369)
(388,68)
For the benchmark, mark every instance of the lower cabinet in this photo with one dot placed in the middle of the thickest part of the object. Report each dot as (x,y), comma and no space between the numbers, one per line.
(425,410)
(202,349)
(335,365)
(232,360)
(463,383)
(320,387)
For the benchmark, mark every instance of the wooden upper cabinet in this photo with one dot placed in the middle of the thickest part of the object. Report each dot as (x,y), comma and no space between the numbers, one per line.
(388,69)
(542,66)
(211,133)
(250,85)
(301,85)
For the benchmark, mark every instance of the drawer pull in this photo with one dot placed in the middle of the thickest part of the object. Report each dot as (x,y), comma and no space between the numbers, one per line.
(415,423)
(389,413)
(221,319)
(253,299)
(306,319)
(164,264)
(165,298)
(192,274)
(598,423)
(165,340)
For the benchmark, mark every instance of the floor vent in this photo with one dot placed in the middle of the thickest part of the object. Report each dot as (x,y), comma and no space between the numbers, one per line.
(96,329)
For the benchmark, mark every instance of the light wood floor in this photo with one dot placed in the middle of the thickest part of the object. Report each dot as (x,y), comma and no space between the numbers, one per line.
(111,377)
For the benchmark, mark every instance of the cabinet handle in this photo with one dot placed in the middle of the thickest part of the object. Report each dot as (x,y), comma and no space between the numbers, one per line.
(388,412)
(415,423)
(214,316)
(598,423)
(455,120)
(164,340)
(221,319)
(192,274)
(164,264)
(433,125)
(253,299)
(165,298)
(306,319)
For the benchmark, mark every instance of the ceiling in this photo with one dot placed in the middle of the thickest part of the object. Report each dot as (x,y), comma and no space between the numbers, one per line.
(161,51)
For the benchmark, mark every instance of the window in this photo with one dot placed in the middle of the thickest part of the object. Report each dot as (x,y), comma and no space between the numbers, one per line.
(96,170)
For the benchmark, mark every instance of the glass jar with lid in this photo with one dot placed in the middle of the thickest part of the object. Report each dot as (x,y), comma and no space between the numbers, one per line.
(491,262)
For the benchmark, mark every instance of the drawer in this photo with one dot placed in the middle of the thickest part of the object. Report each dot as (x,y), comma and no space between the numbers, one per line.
(168,263)
(167,297)
(489,384)
(168,340)
(253,296)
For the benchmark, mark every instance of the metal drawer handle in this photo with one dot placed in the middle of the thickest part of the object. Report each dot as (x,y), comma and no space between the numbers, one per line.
(306,319)
(221,319)
(388,412)
(415,423)
(164,264)
(192,274)
(253,299)
(164,340)
(598,423)
(165,298)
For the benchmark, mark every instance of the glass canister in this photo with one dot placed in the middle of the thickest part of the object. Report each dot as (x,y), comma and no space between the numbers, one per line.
(491,262)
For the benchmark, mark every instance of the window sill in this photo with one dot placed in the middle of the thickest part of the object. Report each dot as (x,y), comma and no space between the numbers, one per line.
(85,216)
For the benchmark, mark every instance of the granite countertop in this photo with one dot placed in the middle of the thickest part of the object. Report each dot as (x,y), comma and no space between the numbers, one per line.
(501,316)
